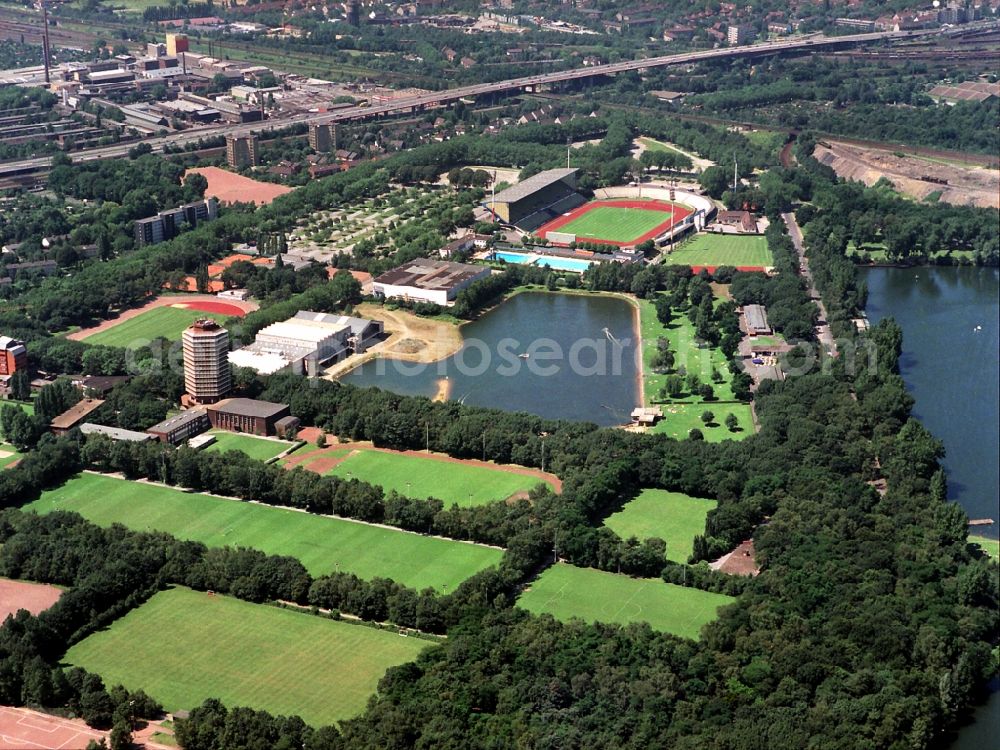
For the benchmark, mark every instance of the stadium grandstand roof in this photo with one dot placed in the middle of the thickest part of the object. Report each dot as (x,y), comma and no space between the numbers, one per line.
(533,184)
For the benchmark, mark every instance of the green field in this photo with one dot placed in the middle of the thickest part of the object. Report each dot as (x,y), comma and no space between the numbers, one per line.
(323,544)
(672,516)
(184,646)
(11,454)
(684,412)
(722,250)
(168,322)
(463,484)
(256,447)
(615,224)
(990,546)
(565,591)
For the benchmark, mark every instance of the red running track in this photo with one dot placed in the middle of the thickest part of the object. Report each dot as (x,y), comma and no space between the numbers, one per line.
(677,211)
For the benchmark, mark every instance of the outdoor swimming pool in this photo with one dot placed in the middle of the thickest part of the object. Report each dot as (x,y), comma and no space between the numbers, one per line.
(555,263)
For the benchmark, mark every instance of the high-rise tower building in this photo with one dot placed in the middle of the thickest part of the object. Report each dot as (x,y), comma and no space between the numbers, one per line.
(207,377)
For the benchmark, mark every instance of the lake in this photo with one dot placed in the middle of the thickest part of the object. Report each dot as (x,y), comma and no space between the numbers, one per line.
(560,356)
(950,319)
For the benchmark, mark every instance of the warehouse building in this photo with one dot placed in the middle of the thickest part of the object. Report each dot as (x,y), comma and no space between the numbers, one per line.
(305,342)
(425,280)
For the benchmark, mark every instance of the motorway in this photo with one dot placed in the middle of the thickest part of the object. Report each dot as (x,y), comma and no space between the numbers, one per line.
(406,104)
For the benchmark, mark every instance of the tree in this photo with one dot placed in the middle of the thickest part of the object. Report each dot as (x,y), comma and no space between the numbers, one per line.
(20,385)
(714,181)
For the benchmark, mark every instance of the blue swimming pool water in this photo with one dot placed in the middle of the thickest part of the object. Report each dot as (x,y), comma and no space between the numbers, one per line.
(557,264)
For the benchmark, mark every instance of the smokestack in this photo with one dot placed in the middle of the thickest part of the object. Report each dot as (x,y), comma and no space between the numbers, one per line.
(45,41)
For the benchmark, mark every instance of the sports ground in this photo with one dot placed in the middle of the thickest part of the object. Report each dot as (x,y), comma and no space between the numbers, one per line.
(184,646)
(166,317)
(671,516)
(618,222)
(259,448)
(34,597)
(747,253)
(324,545)
(565,591)
(462,483)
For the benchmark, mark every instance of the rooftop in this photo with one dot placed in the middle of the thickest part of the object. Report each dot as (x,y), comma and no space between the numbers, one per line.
(76,414)
(248,407)
(115,433)
(532,185)
(423,273)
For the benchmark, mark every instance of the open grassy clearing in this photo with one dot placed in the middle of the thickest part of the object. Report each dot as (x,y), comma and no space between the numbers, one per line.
(565,592)
(168,322)
(184,646)
(463,484)
(990,546)
(615,224)
(722,250)
(674,517)
(256,447)
(8,455)
(323,544)
(683,413)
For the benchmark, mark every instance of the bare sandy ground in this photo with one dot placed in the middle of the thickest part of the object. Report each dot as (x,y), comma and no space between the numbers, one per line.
(967,185)
(411,339)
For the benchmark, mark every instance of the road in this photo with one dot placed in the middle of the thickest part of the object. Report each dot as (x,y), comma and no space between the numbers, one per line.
(823,332)
(407,104)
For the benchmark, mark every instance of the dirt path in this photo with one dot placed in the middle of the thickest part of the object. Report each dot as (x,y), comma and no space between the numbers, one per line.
(208,300)
(321,461)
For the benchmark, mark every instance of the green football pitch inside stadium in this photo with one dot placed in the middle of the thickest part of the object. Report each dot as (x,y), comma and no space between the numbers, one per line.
(324,545)
(722,250)
(413,476)
(184,646)
(168,322)
(565,592)
(615,224)
(671,516)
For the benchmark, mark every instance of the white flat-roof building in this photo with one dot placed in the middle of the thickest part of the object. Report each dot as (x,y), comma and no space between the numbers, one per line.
(304,342)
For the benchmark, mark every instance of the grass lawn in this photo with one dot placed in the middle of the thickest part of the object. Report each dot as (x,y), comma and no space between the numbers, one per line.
(615,224)
(990,546)
(679,419)
(672,516)
(323,544)
(722,250)
(8,454)
(565,591)
(256,447)
(412,476)
(168,322)
(184,646)
(684,412)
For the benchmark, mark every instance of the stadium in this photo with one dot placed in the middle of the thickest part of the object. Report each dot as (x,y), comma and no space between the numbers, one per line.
(548,205)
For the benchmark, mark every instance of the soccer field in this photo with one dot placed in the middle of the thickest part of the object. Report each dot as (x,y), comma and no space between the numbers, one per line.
(463,484)
(168,322)
(722,250)
(256,447)
(565,591)
(615,224)
(184,646)
(672,516)
(324,545)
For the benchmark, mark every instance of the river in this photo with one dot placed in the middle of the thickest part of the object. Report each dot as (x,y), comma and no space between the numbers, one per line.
(951,338)
(560,356)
